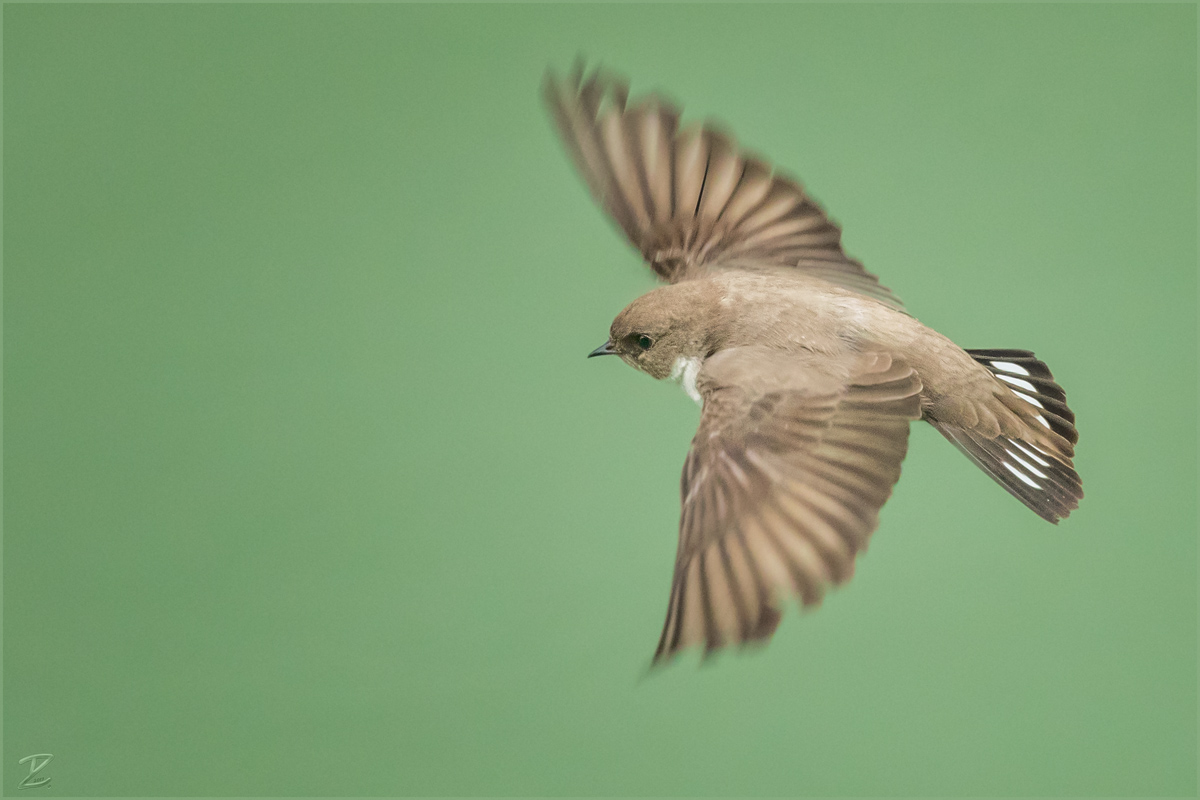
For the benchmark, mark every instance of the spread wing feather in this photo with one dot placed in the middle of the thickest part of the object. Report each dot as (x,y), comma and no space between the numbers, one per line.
(782,487)
(689,199)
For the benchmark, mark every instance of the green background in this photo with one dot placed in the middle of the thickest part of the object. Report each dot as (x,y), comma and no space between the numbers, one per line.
(309,488)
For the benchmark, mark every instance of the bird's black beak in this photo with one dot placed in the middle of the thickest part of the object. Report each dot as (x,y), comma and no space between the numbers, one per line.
(603,350)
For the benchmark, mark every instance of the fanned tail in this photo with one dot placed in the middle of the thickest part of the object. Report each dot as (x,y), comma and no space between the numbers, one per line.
(1031,380)
(1044,481)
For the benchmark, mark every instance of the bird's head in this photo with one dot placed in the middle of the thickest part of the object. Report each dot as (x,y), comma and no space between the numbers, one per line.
(662,326)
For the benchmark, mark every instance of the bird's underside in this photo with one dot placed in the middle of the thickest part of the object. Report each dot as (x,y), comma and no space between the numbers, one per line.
(799,442)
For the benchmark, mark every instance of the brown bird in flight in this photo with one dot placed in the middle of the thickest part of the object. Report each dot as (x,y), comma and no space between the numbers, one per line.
(807,369)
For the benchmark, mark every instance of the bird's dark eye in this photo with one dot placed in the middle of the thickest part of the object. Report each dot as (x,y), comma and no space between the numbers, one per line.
(645,342)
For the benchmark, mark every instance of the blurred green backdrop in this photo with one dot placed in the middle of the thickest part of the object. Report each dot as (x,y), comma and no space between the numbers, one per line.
(309,487)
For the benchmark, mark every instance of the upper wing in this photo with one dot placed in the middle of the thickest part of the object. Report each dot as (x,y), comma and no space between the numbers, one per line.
(782,487)
(690,200)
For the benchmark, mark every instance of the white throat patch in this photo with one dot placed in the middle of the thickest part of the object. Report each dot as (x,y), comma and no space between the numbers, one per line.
(684,372)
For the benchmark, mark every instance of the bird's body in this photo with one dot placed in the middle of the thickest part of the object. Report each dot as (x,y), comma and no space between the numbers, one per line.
(808,371)
(789,312)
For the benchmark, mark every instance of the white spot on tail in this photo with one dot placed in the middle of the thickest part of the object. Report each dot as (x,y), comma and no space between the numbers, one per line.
(684,371)
(1027,465)
(1017,472)
(1018,382)
(1028,399)
(1008,366)
(1028,452)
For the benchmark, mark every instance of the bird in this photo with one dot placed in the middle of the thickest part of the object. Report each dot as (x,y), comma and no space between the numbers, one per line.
(807,370)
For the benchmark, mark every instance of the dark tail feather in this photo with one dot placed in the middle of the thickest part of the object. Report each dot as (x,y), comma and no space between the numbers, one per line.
(1050,487)
(1046,482)
(1031,380)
